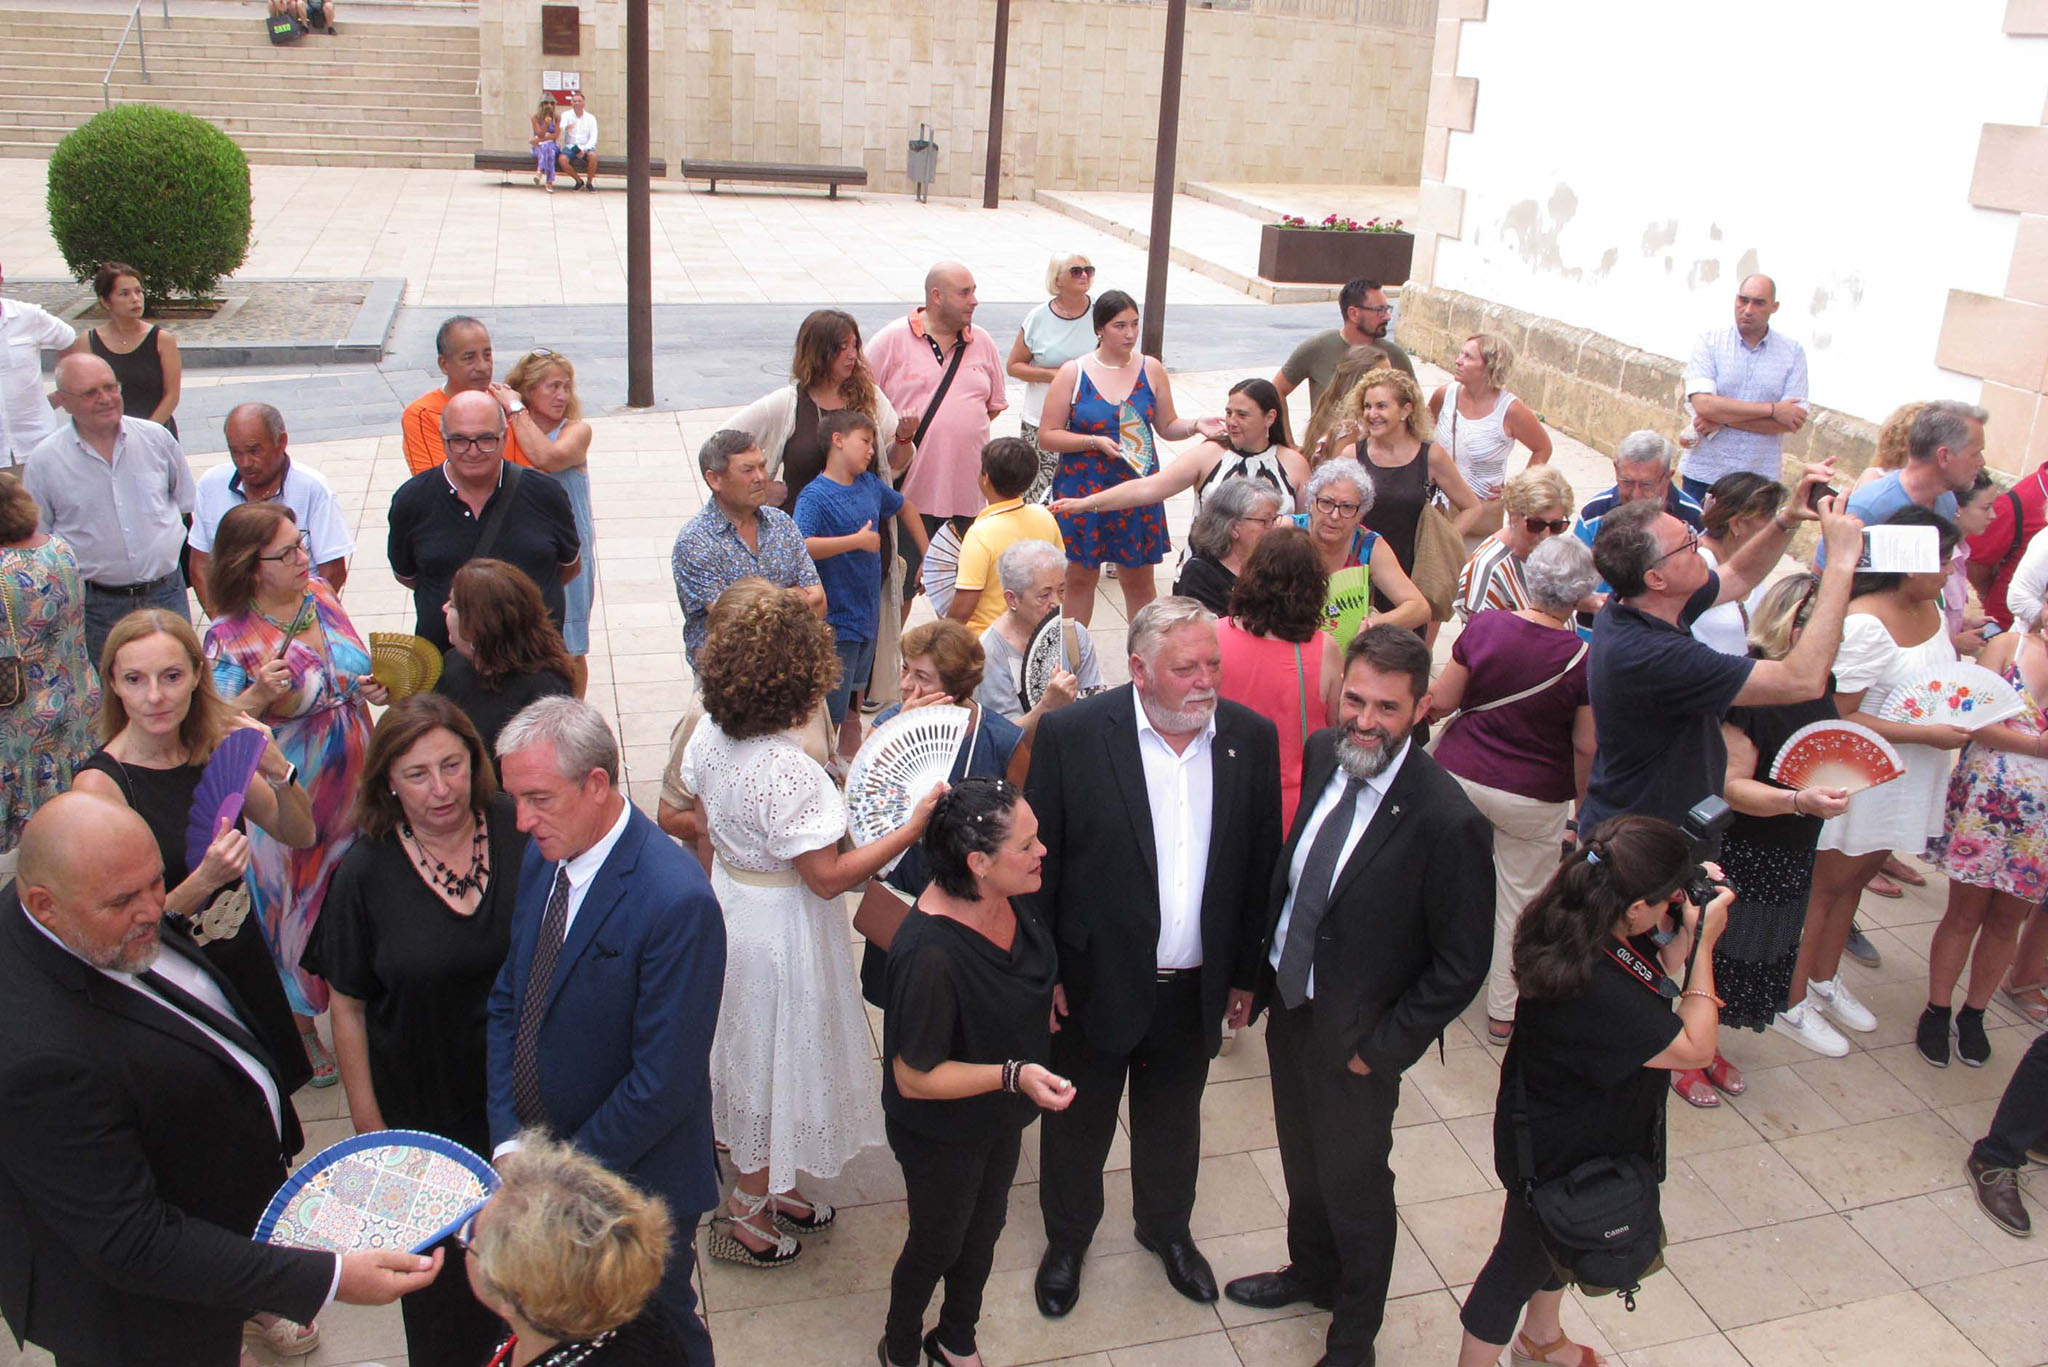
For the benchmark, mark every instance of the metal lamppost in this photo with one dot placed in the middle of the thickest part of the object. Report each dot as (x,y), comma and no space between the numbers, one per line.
(992,178)
(1160,249)
(639,217)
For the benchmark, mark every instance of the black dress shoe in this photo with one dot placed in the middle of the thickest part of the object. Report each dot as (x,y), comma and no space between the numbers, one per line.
(1058,1284)
(1273,1290)
(1187,1271)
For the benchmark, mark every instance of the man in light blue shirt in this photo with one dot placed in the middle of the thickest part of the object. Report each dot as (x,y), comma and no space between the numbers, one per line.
(1944,452)
(1747,387)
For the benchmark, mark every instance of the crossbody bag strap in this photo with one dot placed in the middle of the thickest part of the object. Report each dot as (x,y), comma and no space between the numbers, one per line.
(500,509)
(1570,665)
(1525,1144)
(9,610)
(931,408)
(1301,691)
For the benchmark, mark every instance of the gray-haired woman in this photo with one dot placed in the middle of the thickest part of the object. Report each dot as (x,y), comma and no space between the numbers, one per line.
(1235,515)
(1336,499)
(1521,744)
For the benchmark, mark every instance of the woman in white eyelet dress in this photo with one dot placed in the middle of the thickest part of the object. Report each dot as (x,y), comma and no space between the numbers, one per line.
(794,1086)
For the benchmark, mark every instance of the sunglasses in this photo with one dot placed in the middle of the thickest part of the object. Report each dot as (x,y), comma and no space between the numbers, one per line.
(1537,526)
(1080,272)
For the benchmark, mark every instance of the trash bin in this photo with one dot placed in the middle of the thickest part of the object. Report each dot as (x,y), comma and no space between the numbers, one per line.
(924,160)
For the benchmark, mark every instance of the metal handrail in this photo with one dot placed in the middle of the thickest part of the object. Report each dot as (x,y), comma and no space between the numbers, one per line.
(134,25)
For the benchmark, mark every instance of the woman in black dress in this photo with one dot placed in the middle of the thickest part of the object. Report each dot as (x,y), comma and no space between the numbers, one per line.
(507,651)
(970,1004)
(160,720)
(143,357)
(416,924)
(1595,1034)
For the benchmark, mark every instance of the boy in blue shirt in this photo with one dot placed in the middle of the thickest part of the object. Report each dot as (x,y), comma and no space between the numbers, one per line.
(840,514)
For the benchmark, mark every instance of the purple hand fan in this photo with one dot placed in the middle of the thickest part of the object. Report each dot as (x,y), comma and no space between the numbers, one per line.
(221,787)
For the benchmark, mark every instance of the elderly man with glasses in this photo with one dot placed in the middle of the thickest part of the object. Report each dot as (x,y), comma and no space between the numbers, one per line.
(118,490)
(477,504)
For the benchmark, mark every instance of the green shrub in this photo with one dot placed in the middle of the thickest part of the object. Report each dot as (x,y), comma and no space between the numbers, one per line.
(164,191)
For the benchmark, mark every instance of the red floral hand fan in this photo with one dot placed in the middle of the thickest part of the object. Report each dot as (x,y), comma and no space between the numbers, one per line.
(1836,754)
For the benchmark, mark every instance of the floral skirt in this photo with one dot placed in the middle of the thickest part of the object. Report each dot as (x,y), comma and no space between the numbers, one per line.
(1127,536)
(1997,831)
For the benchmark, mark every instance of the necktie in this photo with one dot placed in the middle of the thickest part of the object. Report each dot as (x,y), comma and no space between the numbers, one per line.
(1312,897)
(526,1041)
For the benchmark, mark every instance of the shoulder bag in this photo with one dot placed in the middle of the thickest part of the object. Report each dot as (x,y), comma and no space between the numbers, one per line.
(1444,727)
(1600,1223)
(1439,556)
(13,669)
(495,515)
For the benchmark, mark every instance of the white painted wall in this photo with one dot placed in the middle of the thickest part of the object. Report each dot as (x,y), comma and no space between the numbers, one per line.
(1629,160)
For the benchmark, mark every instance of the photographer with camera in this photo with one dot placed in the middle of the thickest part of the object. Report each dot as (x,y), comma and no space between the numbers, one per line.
(1600,957)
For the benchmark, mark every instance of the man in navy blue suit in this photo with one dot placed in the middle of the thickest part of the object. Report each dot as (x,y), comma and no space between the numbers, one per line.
(602,1017)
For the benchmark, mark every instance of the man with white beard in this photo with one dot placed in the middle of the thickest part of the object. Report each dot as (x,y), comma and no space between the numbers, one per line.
(1380,933)
(1159,807)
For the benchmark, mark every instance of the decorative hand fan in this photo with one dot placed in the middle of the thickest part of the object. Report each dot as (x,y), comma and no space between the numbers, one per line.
(903,759)
(1956,694)
(941,568)
(392,1189)
(1043,658)
(404,664)
(1134,434)
(220,790)
(1836,754)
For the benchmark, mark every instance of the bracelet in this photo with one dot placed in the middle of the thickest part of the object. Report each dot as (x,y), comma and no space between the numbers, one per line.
(1012,1070)
(1795,803)
(1702,992)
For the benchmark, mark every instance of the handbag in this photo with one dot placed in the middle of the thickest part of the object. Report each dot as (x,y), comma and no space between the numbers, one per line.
(1439,556)
(1600,1223)
(13,669)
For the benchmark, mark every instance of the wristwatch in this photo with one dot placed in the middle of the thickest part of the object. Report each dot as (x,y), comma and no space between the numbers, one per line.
(514,408)
(291,776)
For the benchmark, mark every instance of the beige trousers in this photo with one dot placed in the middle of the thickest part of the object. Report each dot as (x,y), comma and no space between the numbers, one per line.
(1527,837)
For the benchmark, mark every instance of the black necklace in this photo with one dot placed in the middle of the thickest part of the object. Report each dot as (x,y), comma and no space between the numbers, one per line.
(447,879)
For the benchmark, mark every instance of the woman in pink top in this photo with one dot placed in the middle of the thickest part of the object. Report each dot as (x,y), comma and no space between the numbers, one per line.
(1275,661)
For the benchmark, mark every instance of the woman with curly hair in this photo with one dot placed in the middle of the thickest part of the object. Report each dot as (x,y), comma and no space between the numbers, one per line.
(792,1080)
(1329,432)
(504,649)
(1275,661)
(1891,444)
(1405,465)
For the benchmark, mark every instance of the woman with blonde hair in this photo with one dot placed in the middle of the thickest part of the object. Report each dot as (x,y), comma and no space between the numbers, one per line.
(1539,506)
(570,1255)
(1892,446)
(1329,432)
(545,130)
(1406,466)
(1484,422)
(556,440)
(1057,331)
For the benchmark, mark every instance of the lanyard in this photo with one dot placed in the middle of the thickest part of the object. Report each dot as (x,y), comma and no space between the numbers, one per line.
(1646,974)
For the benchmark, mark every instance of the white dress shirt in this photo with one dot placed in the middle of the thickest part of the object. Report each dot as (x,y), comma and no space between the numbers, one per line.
(26,417)
(124,517)
(583,868)
(1181,789)
(1369,799)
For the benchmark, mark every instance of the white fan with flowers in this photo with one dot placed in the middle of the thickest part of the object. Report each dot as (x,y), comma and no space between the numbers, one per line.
(1959,693)
(904,758)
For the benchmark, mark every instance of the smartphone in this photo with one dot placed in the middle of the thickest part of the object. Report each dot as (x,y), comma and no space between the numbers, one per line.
(1819,492)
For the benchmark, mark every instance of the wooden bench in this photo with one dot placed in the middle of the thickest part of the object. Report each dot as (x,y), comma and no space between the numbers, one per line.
(521,162)
(783,173)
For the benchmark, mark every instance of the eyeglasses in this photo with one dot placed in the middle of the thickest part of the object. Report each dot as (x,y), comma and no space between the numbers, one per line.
(1377,308)
(543,352)
(1080,272)
(1330,507)
(1268,520)
(302,546)
(460,445)
(465,1233)
(1642,488)
(1691,543)
(1556,527)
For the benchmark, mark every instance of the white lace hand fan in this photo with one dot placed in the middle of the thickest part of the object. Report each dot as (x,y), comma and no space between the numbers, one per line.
(1960,693)
(941,568)
(904,758)
(1836,754)
(1043,658)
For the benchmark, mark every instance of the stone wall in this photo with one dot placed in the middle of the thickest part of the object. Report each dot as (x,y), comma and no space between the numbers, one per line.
(1595,388)
(1265,97)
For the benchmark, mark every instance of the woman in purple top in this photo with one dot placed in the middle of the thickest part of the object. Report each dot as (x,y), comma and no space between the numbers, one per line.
(1521,744)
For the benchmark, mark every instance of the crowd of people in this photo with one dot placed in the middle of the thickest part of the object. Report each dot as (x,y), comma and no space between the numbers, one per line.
(1275,818)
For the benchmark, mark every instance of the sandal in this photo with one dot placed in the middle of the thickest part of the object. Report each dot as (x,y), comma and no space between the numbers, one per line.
(725,1244)
(282,1337)
(1882,886)
(2034,1009)
(325,1074)
(1692,1084)
(1897,868)
(1726,1077)
(816,1215)
(1538,1355)
(1499,1032)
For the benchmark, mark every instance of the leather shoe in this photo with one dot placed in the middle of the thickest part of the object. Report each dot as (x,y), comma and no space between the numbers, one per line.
(1273,1290)
(1998,1196)
(1058,1284)
(1187,1271)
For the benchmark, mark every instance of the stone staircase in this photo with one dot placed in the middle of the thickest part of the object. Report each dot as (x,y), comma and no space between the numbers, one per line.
(379,93)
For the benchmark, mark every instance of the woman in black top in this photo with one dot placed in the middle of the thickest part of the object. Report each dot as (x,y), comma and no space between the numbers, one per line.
(1595,1035)
(505,651)
(143,357)
(971,982)
(416,924)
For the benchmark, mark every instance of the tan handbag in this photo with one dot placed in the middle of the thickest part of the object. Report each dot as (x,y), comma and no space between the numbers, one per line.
(1439,556)
(880,914)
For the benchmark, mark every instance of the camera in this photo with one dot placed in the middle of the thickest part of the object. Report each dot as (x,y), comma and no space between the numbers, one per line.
(1703,825)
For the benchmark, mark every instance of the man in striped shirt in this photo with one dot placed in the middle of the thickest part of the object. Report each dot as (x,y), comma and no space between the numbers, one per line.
(1747,387)
(1539,506)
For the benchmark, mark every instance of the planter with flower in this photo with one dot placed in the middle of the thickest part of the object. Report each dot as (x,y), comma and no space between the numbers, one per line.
(1336,250)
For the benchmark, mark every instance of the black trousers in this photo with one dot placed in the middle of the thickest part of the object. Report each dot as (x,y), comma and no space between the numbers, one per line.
(959,1198)
(1166,1071)
(2022,1117)
(1336,1135)
(1517,1269)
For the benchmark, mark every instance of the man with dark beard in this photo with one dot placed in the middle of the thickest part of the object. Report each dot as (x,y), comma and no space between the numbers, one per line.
(1381,932)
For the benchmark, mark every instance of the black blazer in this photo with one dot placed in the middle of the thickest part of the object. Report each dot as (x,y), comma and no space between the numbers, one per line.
(1408,936)
(1100,892)
(135,1159)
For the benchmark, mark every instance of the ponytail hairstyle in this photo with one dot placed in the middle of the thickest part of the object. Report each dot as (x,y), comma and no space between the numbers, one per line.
(1628,859)
(974,816)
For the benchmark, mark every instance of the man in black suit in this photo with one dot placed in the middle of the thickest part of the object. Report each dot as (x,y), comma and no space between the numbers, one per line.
(143,1129)
(1159,806)
(1380,933)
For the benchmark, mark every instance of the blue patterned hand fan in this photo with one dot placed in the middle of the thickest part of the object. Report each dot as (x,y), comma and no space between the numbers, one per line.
(389,1189)
(221,787)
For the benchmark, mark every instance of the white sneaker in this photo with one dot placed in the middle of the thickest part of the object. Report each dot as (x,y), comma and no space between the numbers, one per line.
(1804,1024)
(1841,1005)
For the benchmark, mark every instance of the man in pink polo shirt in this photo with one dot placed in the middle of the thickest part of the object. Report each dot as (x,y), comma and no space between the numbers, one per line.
(911,358)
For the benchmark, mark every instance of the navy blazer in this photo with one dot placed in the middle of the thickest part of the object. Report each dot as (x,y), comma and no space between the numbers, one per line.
(625,1044)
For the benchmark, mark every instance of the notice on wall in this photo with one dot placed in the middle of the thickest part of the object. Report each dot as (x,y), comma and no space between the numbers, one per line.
(560,31)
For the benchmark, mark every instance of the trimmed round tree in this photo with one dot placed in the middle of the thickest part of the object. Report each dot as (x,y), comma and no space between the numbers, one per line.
(164,191)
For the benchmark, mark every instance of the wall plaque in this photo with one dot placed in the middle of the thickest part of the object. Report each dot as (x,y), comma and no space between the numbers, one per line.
(559,31)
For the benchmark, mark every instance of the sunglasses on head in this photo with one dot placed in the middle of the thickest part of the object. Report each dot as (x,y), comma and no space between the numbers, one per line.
(1556,526)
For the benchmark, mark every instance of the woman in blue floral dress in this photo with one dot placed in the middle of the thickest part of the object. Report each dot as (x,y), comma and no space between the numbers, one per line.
(48,734)
(1102,417)
(1994,851)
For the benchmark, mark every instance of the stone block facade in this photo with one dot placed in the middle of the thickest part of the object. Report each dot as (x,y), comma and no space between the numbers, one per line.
(1266,97)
